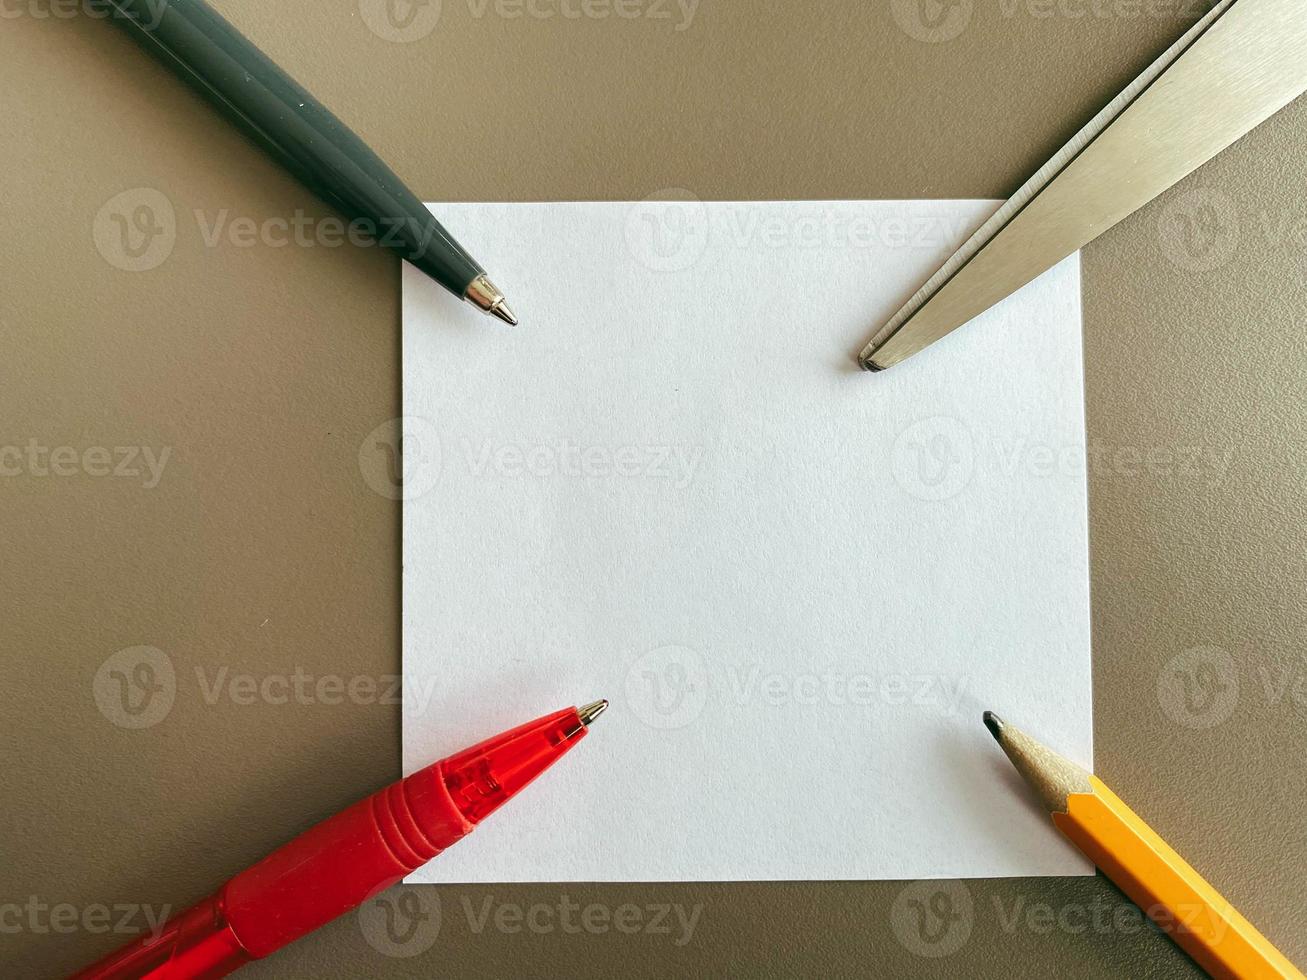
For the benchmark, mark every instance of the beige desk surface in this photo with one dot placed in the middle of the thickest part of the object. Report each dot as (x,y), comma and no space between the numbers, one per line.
(261,549)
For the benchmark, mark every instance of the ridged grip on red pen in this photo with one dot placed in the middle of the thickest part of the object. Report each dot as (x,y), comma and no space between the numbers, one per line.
(342,862)
(345,860)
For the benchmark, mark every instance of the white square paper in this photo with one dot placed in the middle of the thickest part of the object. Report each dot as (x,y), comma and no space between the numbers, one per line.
(799,584)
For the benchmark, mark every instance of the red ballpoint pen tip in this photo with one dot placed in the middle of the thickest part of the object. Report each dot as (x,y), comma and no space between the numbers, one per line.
(339,863)
(591,711)
(483,778)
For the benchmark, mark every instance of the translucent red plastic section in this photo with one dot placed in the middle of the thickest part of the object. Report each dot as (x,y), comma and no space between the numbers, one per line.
(196,945)
(481,779)
(339,863)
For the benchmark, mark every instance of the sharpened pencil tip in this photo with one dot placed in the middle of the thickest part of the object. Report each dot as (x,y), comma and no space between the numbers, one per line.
(592,711)
(995,725)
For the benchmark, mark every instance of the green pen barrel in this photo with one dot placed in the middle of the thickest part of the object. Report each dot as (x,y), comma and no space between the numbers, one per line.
(299,132)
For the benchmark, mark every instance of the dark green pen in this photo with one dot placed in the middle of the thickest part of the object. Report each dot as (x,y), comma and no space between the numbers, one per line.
(299,132)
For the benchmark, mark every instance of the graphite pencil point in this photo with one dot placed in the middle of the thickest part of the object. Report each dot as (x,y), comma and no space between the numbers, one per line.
(995,725)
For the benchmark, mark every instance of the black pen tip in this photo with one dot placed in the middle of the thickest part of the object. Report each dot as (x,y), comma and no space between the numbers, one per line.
(995,725)
(501,311)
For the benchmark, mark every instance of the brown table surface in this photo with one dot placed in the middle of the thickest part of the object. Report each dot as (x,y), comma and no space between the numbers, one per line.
(262,550)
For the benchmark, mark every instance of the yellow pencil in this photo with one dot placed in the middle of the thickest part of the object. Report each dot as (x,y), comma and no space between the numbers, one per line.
(1142,865)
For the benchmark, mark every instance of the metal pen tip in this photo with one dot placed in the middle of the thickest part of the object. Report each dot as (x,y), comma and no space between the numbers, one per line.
(995,725)
(592,711)
(487,297)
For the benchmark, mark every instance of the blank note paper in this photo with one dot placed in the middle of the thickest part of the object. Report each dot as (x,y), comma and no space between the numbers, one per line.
(799,584)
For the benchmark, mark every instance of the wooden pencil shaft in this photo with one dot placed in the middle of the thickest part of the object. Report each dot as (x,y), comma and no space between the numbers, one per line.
(1134,856)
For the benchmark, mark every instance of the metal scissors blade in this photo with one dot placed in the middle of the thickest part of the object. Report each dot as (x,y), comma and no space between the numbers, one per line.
(1236,67)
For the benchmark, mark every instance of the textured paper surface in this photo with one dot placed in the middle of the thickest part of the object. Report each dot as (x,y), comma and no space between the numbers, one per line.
(799,584)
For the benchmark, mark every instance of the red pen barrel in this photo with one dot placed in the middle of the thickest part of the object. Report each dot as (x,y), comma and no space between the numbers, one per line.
(340,863)
(200,936)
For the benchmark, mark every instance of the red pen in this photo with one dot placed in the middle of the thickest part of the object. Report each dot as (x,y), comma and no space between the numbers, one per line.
(348,858)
